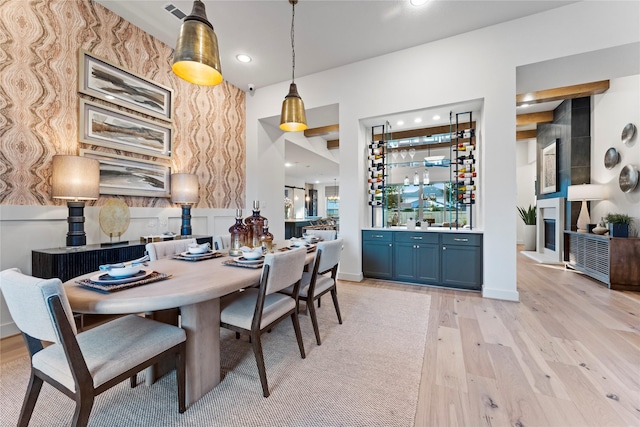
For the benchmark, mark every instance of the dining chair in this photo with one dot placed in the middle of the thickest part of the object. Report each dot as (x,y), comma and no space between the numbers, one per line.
(221,243)
(323,234)
(256,310)
(316,283)
(167,248)
(83,365)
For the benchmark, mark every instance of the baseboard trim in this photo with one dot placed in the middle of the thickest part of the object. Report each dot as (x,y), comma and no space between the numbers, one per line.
(8,329)
(350,277)
(500,294)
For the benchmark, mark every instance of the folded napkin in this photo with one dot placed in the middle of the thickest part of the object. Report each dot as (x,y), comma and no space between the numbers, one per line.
(139,261)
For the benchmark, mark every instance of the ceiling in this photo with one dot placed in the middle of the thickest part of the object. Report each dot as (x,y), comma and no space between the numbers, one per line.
(328,34)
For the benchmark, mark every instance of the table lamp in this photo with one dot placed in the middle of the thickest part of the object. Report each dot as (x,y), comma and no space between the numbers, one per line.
(584,193)
(184,191)
(75,179)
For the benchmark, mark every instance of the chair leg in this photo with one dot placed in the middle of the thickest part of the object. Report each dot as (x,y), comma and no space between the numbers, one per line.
(84,404)
(257,351)
(30,398)
(296,327)
(319,299)
(133,381)
(314,322)
(181,378)
(334,295)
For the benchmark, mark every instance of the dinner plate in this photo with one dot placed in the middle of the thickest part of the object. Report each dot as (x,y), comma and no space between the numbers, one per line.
(243,260)
(190,255)
(104,278)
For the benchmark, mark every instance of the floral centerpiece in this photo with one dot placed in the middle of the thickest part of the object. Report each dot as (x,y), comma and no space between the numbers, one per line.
(288,205)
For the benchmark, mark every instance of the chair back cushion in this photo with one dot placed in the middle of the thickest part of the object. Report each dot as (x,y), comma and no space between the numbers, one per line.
(222,242)
(285,269)
(159,250)
(26,298)
(331,251)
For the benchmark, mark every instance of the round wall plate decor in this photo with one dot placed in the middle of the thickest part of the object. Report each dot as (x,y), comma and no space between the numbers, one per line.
(611,158)
(628,178)
(114,217)
(628,133)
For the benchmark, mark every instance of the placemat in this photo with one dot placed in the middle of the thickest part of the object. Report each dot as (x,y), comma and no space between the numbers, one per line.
(198,258)
(153,277)
(310,248)
(238,264)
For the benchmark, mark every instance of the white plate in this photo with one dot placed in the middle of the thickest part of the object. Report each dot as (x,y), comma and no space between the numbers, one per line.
(104,277)
(243,260)
(190,255)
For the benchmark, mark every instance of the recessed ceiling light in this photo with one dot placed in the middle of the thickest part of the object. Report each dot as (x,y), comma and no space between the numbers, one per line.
(417,120)
(287,165)
(317,182)
(400,123)
(243,58)
(436,117)
(418,2)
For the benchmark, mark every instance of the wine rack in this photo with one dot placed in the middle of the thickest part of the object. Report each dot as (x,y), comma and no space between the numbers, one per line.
(464,166)
(376,173)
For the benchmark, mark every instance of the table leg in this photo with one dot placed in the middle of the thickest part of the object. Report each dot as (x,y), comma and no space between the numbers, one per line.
(201,322)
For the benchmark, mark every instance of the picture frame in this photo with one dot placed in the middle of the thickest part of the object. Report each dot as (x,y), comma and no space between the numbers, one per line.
(102,79)
(112,128)
(128,176)
(549,168)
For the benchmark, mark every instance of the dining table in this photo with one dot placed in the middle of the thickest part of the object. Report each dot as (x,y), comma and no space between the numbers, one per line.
(195,287)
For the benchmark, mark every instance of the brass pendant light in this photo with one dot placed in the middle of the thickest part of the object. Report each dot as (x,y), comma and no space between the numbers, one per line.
(196,57)
(293,117)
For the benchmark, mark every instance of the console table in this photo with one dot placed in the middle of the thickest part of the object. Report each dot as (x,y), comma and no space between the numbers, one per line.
(67,263)
(611,260)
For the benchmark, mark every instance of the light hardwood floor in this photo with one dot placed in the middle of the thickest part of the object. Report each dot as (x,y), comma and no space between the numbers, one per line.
(568,354)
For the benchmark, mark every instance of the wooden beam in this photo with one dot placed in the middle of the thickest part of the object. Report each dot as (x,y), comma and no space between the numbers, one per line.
(562,93)
(526,134)
(321,130)
(436,130)
(534,118)
(333,143)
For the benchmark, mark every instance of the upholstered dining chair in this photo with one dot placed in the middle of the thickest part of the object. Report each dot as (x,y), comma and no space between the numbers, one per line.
(83,365)
(165,249)
(256,310)
(221,243)
(323,234)
(316,283)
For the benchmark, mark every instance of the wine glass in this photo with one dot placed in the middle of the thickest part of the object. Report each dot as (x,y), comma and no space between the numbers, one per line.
(394,154)
(403,153)
(412,152)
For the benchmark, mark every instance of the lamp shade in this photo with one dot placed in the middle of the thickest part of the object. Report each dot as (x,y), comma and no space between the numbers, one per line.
(75,178)
(196,58)
(586,192)
(184,188)
(293,117)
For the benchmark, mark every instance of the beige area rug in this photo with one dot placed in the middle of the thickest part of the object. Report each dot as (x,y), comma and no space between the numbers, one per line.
(365,373)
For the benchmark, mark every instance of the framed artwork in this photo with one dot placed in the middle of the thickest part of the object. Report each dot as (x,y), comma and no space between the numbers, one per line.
(549,168)
(126,176)
(108,127)
(102,79)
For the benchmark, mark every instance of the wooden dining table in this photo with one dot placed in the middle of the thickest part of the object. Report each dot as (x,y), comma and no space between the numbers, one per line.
(195,287)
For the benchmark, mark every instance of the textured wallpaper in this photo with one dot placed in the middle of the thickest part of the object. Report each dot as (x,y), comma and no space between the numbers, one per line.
(39,102)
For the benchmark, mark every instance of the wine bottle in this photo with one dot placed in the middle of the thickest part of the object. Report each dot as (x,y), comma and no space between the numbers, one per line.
(375,185)
(465,148)
(467,169)
(466,181)
(467,175)
(375,162)
(375,202)
(377,191)
(376,167)
(416,178)
(375,157)
(266,238)
(468,201)
(466,188)
(376,144)
(371,180)
(239,233)
(425,177)
(463,158)
(466,162)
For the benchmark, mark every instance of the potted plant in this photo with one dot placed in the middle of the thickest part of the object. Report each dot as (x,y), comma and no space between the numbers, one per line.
(528,215)
(618,224)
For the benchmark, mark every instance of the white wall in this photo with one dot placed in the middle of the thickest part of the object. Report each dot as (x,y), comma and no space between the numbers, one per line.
(611,111)
(525,178)
(407,80)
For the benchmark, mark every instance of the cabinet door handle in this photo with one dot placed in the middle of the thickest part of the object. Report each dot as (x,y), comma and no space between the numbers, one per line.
(390,245)
(444,248)
(460,240)
(416,238)
(417,246)
(377,236)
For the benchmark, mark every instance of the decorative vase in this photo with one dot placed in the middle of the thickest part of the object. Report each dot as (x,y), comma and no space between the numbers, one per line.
(287,213)
(619,230)
(530,237)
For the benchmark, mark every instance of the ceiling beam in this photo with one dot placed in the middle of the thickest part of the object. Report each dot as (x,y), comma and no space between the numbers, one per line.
(333,143)
(321,130)
(526,134)
(534,118)
(435,130)
(562,93)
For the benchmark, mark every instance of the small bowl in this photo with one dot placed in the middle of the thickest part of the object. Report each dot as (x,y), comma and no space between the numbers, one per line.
(122,272)
(198,250)
(251,255)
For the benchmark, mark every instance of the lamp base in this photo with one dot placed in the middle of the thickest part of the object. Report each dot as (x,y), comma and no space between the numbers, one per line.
(186,230)
(583,218)
(76,235)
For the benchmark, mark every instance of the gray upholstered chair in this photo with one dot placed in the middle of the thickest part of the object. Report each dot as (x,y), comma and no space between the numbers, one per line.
(83,365)
(257,310)
(222,243)
(323,234)
(160,250)
(316,283)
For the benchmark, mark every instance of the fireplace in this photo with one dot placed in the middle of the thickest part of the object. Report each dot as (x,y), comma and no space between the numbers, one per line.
(550,233)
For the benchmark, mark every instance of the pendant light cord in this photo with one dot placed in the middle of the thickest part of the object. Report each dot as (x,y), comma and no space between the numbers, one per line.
(293,45)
